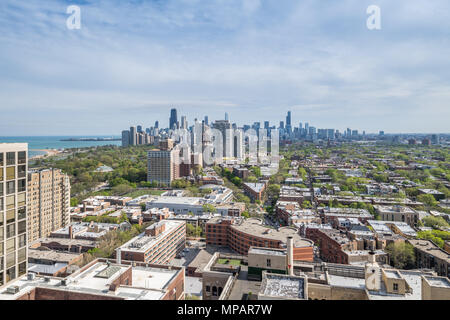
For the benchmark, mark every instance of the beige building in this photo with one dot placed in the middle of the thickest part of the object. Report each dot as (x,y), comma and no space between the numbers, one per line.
(13,211)
(48,202)
(163,166)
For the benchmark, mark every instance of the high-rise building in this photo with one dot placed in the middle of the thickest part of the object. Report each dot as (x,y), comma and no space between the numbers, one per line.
(289,120)
(173,119)
(48,202)
(184,124)
(161,166)
(13,211)
(133,136)
(125,138)
(157,124)
(266,125)
(139,129)
(225,128)
(206,120)
(226,116)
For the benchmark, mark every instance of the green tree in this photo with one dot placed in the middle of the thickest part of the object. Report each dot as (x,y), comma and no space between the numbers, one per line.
(209,208)
(427,199)
(435,222)
(401,255)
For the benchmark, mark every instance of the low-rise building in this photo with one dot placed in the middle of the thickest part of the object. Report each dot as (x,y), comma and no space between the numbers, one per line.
(398,213)
(102,280)
(430,256)
(241,234)
(159,244)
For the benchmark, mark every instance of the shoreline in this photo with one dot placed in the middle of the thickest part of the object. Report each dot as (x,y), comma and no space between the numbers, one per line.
(48,153)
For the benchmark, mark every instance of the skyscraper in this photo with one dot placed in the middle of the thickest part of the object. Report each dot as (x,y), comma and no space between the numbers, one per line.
(173,119)
(288,119)
(206,120)
(223,126)
(156,124)
(162,167)
(226,116)
(133,136)
(125,138)
(48,202)
(13,211)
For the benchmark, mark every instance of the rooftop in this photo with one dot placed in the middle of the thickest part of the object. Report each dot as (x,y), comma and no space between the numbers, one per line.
(283,286)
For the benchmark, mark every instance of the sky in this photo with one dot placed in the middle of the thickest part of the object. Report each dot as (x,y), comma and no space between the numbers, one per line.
(132,61)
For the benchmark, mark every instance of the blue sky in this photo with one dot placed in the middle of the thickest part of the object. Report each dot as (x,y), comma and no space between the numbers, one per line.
(131,61)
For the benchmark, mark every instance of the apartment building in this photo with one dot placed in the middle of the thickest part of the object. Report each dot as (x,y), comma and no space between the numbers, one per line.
(48,202)
(161,166)
(240,235)
(13,211)
(159,244)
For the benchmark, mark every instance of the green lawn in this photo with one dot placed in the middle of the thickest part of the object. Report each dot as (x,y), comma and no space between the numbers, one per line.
(141,192)
(232,262)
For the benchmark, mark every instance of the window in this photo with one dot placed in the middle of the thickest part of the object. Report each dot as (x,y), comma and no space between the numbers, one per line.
(22,268)
(10,158)
(10,231)
(21,171)
(10,173)
(22,227)
(208,289)
(22,156)
(21,185)
(22,240)
(395,286)
(22,255)
(10,187)
(1,159)
(269,263)
(1,174)
(10,216)
(21,213)
(10,274)
(21,200)
(1,239)
(10,202)
(1,206)
(1,188)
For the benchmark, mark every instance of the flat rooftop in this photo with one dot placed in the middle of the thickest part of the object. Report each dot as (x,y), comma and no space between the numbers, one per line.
(265,251)
(438,281)
(148,283)
(290,287)
(255,227)
(143,242)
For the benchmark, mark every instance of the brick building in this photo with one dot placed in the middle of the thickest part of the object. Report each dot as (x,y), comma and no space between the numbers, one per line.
(240,235)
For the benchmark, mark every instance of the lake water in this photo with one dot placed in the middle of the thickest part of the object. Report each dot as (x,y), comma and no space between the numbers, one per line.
(37,143)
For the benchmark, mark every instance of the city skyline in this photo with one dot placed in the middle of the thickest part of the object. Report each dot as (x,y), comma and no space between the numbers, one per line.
(134,61)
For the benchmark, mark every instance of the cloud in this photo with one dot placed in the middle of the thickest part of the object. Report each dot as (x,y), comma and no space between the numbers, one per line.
(133,60)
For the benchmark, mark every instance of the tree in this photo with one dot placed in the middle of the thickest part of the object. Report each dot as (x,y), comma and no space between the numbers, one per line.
(427,199)
(209,208)
(273,190)
(236,181)
(401,255)
(435,222)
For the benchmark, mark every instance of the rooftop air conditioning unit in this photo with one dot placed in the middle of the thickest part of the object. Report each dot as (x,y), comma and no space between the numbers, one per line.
(46,279)
(65,282)
(13,289)
(31,276)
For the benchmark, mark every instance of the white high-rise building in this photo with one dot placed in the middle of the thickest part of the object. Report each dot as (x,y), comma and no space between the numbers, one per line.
(13,211)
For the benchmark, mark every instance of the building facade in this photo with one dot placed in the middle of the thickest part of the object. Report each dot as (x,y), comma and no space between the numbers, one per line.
(13,211)
(48,202)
